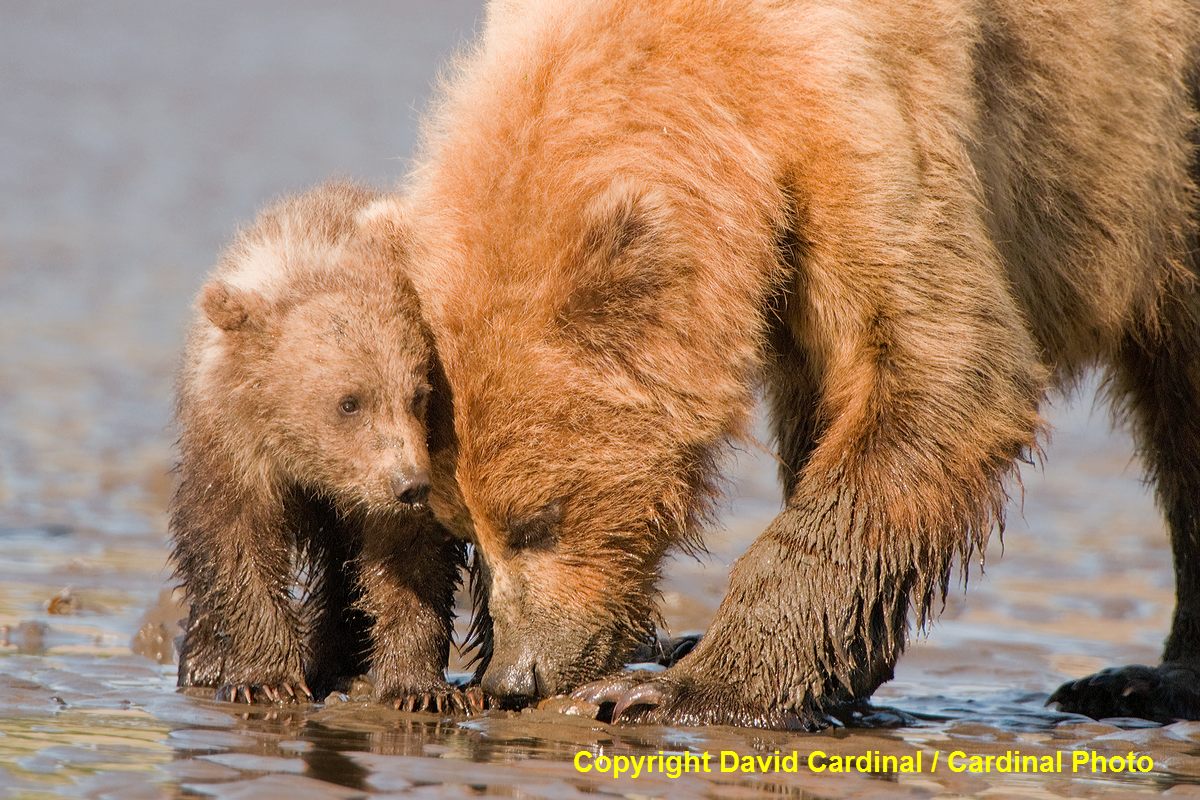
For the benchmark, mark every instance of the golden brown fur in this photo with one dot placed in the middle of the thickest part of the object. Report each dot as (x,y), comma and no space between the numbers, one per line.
(305,441)
(907,221)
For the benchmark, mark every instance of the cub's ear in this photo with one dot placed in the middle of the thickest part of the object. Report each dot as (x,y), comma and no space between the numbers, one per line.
(385,223)
(230,308)
(623,265)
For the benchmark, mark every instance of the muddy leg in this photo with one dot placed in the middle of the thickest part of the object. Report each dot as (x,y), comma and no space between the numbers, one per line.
(1158,377)
(233,548)
(895,440)
(408,575)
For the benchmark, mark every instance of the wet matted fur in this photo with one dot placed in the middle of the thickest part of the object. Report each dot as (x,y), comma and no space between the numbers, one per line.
(309,407)
(906,221)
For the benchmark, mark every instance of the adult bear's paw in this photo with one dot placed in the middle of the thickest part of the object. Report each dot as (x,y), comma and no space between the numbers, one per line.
(1164,693)
(677,697)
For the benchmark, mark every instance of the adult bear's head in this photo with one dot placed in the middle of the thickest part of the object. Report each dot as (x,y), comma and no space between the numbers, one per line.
(593,384)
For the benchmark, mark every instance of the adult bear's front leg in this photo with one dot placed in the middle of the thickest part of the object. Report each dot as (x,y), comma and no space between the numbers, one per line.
(816,614)
(898,423)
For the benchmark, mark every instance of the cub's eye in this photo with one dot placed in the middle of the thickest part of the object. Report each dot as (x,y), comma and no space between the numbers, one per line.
(348,406)
(537,531)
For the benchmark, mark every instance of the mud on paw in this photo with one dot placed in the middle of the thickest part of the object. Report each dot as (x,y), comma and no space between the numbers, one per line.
(674,697)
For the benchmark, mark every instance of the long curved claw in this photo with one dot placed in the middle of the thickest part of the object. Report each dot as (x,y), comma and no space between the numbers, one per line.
(608,690)
(646,694)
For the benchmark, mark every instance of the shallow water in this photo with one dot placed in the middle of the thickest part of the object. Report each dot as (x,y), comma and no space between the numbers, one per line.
(132,141)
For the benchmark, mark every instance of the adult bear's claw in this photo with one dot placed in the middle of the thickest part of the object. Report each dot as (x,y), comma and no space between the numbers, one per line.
(647,694)
(676,697)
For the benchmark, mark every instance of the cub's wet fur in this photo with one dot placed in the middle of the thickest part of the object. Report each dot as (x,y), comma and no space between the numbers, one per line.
(309,410)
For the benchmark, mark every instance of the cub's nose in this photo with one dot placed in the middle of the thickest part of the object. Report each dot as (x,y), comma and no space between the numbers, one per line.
(411,488)
(513,686)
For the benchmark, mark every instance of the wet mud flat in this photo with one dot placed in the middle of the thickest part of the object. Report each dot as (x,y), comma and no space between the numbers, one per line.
(136,136)
(110,726)
(121,732)
(88,706)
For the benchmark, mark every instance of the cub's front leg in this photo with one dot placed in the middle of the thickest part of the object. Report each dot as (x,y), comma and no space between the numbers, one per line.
(408,572)
(232,546)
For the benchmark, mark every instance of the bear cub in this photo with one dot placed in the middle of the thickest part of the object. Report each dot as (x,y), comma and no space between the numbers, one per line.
(307,410)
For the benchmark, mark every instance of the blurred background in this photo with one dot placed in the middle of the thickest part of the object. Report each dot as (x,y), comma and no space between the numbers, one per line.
(134,138)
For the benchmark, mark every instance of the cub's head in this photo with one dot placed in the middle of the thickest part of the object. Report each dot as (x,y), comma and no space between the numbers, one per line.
(314,351)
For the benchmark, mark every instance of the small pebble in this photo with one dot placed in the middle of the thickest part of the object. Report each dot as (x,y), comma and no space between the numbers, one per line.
(563,704)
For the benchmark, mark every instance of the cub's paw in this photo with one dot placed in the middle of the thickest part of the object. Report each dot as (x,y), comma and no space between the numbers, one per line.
(438,699)
(676,697)
(282,691)
(1164,693)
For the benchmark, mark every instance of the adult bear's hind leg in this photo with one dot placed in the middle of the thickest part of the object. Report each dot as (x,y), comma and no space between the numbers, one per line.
(1158,378)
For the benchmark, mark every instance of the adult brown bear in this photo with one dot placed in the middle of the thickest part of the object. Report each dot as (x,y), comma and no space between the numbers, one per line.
(907,221)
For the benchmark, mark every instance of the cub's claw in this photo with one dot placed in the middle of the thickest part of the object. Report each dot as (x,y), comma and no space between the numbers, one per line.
(1164,693)
(476,701)
(249,693)
(450,700)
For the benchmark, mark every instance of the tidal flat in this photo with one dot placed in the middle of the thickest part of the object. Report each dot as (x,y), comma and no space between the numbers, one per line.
(136,137)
